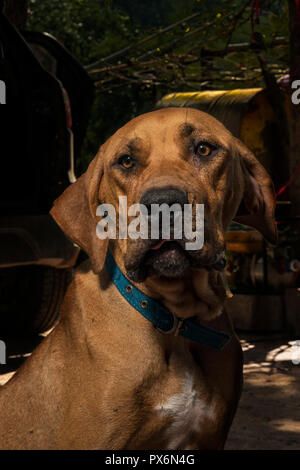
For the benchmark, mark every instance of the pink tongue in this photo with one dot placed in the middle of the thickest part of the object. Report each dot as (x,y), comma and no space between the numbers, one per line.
(159,244)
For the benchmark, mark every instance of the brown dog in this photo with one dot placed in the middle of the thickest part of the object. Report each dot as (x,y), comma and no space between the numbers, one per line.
(106,378)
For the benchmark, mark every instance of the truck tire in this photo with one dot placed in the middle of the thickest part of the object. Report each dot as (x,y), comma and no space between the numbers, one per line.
(30,299)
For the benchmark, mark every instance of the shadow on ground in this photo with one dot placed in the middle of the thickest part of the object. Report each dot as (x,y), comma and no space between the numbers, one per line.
(268,417)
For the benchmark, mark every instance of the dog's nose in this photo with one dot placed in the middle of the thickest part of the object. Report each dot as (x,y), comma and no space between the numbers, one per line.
(166,195)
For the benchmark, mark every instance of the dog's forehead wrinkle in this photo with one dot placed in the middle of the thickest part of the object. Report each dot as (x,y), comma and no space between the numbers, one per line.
(159,127)
(197,132)
(186,129)
(132,145)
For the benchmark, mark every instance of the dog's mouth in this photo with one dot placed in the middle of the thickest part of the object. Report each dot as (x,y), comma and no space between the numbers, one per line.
(168,258)
(159,244)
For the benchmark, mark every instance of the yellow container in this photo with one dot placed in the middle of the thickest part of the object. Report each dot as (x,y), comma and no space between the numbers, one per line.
(240,241)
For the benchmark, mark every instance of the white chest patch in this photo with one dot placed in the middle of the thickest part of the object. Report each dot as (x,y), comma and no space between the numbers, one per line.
(188,412)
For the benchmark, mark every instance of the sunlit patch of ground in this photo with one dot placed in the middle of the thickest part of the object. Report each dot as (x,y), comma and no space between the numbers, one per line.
(268,416)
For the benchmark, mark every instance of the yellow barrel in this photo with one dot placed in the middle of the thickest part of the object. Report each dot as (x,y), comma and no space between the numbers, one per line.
(241,241)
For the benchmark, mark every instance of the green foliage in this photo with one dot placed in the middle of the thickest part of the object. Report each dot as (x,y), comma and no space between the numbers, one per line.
(88,28)
(147,14)
(192,55)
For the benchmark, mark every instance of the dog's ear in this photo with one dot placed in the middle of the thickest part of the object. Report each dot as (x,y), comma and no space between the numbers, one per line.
(258,204)
(75,212)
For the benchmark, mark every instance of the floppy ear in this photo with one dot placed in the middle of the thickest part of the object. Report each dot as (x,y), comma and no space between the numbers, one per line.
(258,205)
(75,212)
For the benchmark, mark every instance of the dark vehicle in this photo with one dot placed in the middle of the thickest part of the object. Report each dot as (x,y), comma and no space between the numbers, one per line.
(47,96)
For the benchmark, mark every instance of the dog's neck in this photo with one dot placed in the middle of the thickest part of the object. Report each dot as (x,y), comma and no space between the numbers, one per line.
(199,293)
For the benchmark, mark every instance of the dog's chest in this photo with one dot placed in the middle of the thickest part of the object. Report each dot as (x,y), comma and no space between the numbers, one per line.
(188,412)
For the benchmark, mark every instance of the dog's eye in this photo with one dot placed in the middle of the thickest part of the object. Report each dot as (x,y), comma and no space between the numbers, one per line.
(126,161)
(204,149)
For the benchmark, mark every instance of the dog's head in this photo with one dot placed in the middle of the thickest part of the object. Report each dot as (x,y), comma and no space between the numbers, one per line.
(171,156)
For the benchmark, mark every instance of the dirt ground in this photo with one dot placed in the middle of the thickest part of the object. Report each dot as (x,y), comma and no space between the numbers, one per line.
(268,417)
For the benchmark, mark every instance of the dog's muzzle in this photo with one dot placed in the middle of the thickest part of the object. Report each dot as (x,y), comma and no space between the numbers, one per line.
(166,255)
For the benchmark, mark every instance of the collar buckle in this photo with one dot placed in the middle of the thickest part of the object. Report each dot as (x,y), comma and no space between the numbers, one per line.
(177,326)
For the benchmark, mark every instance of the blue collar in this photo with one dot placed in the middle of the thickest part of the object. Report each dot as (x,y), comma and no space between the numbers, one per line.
(164,320)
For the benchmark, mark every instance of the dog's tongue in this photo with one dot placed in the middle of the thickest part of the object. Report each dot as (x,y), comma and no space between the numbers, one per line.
(159,244)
